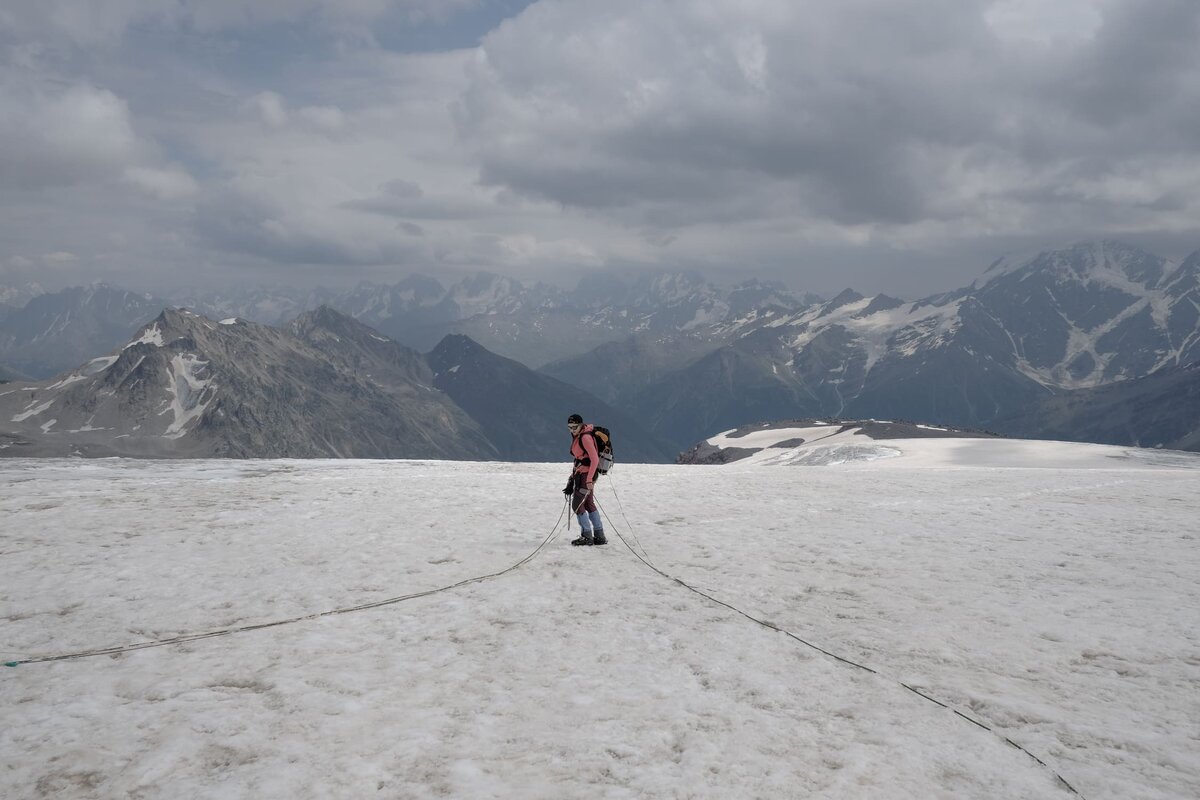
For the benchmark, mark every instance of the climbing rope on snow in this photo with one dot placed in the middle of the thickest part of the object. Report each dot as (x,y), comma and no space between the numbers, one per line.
(194,637)
(628,525)
(772,626)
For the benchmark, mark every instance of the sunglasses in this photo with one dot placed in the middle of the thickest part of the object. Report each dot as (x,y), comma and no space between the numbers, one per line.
(574,426)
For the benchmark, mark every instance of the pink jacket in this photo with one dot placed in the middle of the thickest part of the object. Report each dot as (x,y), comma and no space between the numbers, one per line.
(583,449)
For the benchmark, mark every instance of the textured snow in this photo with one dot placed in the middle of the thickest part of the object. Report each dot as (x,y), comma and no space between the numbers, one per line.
(1057,604)
(826,445)
(827,455)
(230,321)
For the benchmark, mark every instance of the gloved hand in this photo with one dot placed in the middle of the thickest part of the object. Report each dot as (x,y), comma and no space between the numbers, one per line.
(570,488)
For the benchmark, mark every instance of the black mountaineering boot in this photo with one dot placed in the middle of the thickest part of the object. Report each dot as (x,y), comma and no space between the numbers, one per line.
(585,538)
(598,535)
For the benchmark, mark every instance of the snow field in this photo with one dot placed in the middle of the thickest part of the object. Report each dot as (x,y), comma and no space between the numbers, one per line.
(1058,605)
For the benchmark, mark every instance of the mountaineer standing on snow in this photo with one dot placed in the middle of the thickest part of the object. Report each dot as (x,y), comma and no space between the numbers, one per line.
(579,487)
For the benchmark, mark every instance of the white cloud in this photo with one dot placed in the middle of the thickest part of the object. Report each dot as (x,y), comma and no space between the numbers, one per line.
(273,110)
(270,107)
(77,134)
(326,118)
(171,183)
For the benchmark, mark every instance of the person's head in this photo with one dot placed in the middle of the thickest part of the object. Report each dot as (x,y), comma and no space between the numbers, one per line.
(574,423)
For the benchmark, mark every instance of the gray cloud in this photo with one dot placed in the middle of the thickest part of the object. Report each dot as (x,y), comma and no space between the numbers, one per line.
(869,113)
(891,144)
(242,224)
(106,21)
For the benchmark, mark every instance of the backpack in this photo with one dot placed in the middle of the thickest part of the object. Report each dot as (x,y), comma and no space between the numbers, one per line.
(603,449)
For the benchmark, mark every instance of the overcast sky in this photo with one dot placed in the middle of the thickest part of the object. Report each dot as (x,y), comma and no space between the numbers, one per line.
(887,146)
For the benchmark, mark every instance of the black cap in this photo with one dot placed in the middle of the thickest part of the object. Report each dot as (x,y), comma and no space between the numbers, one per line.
(575,418)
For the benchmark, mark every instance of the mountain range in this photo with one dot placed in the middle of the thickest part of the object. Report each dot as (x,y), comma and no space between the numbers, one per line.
(1029,348)
(55,332)
(986,356)
(533,324)
(324,385)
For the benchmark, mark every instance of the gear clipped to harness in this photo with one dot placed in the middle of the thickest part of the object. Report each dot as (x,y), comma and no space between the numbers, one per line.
(603,449)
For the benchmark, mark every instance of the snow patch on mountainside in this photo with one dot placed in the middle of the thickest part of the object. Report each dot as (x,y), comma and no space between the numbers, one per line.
(904,330)
(152,335)
(32,411)
(187,390)
(98,364)
(67,381)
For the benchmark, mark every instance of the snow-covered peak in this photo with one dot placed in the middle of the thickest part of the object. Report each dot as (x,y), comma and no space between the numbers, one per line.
(1108,263)
(486,293)
(151,334)
(847,297)
(672,288)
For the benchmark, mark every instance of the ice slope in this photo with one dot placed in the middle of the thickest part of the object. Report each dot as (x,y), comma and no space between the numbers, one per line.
(1058,604)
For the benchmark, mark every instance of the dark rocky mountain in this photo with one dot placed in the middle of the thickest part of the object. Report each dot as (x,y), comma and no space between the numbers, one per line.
(54,332)
(187,386)
(524,413)
(1074,318)
(325,385)
(1159,410)
(362,350)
